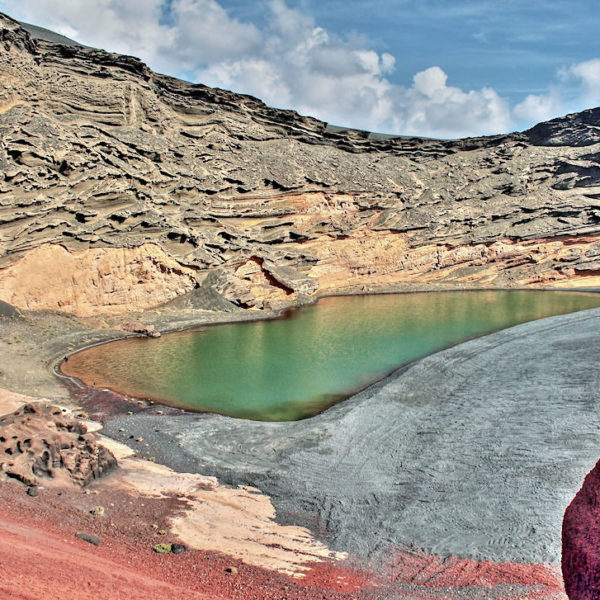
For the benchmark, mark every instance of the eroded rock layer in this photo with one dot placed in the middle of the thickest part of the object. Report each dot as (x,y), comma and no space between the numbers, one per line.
(145,180)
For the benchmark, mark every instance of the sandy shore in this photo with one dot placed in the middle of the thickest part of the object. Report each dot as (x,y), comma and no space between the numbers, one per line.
(395,469)
(475,451)
(233,546)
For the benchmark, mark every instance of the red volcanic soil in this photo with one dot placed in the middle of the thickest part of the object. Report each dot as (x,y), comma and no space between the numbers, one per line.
(439,577)
(581,541)
(40,558)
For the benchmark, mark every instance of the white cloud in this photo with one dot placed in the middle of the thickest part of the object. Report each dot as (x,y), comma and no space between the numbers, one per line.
(430,107)
(302,66)
(131,27)
(199,31)
(587,75)
(430,82)
(584,77)
(203,32)
(292,62)
(540,107)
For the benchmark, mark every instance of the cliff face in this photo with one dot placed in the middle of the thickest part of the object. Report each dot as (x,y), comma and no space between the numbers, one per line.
(145,180)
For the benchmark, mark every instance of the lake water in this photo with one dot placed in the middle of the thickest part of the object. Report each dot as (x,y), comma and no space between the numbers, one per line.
(296,366)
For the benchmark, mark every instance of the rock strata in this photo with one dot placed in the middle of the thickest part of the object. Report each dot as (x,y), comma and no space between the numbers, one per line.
(130,189)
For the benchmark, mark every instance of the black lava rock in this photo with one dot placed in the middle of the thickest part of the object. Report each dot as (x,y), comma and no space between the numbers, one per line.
(90,538)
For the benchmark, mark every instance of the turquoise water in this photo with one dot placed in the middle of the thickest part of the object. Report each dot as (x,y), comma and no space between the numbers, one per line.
(295,367)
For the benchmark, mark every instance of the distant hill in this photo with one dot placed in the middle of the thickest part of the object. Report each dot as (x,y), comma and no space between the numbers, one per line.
(41,33)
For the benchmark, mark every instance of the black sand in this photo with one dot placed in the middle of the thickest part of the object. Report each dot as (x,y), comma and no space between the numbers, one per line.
(475,451)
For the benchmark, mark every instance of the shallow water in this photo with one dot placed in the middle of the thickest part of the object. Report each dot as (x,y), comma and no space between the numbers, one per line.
(295,367)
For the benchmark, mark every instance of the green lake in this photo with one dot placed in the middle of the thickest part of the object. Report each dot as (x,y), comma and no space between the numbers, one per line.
(298,365)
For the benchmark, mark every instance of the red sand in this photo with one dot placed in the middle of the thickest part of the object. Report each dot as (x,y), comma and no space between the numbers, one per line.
(433,571)
(40,558)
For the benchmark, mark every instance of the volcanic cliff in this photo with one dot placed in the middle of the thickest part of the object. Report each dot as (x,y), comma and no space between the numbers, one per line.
(123,189)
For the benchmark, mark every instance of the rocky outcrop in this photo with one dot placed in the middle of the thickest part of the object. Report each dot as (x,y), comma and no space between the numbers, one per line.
(40,443)
(101,157)
(95,280)
(579,129)
(581,541)
(7,311)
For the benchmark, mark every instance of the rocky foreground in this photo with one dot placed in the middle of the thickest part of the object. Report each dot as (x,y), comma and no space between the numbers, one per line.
(123,189)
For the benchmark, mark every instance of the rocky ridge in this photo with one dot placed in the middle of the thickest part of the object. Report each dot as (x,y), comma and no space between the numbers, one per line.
(123,189)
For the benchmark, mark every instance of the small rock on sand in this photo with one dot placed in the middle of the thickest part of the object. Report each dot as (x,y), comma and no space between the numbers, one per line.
(90,538)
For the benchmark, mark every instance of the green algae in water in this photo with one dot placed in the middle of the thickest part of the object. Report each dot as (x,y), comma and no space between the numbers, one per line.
(294,367)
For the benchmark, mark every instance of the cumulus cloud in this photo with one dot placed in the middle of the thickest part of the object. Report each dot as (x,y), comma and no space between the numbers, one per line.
(540,107)
(201,31)
(174,36)
(304,66)
(132,27)
(431,107)
(431,82)
(292,62)
(578,87)
(587,75)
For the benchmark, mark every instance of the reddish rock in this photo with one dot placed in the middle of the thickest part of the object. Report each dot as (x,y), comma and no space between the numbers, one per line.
(581,541)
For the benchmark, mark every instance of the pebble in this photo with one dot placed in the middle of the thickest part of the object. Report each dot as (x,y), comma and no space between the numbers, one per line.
(90,538)
(32,491)
(98,511)
(232,570)
(178,548)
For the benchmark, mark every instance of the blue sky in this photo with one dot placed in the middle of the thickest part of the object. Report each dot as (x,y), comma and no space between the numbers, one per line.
(428,67)
(514,46)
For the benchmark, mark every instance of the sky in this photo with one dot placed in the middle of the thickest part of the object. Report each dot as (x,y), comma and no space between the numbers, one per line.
(446,69)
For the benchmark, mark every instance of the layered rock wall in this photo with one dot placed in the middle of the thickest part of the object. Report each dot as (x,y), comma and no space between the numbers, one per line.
(129,175)
(86,282)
